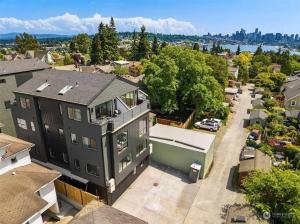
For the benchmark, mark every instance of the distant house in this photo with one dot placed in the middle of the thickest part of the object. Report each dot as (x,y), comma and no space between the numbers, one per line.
(275,67)
(122,63)
(12,75)
(260,161)
(290,114)
(234,71)
(291,94)
(257,104)
(27,189)
(180,148)
(230,93)
(258,117)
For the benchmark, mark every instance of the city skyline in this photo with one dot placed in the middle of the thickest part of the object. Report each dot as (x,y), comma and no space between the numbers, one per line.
(158,16)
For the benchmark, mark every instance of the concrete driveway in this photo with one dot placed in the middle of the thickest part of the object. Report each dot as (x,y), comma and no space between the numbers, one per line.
(163,195)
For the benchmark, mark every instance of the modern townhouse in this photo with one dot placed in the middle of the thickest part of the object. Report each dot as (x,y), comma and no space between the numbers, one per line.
(27,189)
(12,75)
(92,127)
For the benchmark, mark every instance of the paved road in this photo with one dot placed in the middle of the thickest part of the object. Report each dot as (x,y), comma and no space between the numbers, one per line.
(216,190)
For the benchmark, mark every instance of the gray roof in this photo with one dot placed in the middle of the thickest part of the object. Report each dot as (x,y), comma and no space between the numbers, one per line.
(260,161)
(292,91)
(257,102)
(292,113)
(86,86)
(184,138)
(258,114)
(25,65)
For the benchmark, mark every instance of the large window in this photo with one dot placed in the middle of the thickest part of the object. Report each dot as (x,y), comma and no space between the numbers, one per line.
(141,148)
(122,141)
(74,114)
(125,162)
(89,143)
(25,103)
(22,123)
(73,138)
(92,169)
(130,99)
(143,127)
(32,126)
(104,110)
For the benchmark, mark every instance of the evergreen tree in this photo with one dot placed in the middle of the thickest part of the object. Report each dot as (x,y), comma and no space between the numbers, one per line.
(238,50)
(113,40)
(204,49)
(219,48)
(196,47)
(72,46)
(143,45)
(96,53)
(155,46)
(285,61)
(163,44)
(102,32)
(259,50)
(134,46)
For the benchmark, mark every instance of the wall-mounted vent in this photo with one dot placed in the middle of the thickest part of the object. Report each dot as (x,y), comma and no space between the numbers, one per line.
(65,89)
(43,86)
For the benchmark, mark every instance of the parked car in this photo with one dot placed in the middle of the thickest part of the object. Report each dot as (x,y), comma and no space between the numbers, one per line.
(213,120)
(207,125)
(253,135)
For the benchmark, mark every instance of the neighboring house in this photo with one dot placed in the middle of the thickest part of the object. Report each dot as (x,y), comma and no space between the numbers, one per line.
(234,71)
(96,212)
(259,90)
(291,114)
(260,161)
(94,126)
(257,104)
(258,117)
(27,190)
(230,93)
(275,67)
(12,75)
(180,148)
(122,63)
(291,93)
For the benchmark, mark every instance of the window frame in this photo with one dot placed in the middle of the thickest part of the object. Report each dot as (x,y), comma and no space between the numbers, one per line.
(89,143)
(122,167)
(65,157)
(73,114)
(25,103)
(92,174)
(123,146)
(141,148)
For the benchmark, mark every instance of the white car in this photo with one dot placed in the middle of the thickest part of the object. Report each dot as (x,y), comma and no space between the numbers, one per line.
(213,120)
(207,125)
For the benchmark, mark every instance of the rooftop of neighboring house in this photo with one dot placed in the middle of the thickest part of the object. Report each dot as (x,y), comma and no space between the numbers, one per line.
(75,87)
(18,66)
(184,138)
(97,212)
(275,67)
(254,114)
(18,198)
(12,145)
(291,89)
(260,161)
(292,113)
(232,69)
(230,90)
(66,68)
(257,103)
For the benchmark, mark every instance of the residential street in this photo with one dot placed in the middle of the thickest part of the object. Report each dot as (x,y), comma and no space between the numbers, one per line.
(216,191)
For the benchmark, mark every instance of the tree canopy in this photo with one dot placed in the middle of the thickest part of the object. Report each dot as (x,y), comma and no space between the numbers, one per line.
(26,42)
(80,43)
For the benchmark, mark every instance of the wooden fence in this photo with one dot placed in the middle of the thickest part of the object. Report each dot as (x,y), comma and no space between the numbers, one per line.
(177,123)
(73,193)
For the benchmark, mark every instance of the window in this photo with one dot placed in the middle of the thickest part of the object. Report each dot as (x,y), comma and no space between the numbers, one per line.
(51,152)
(61,132)
(2,81)
(130,99)
(73,138)
(32,126)
(60,109)
(22,123)
(7,104)
(76,164)
(65,157)
(143,127)
(141,148)
(92,169)
(104,109)
(25,103)
(125,162)
(13,160)
(122,141)
(293,103)
(74,114)
(89,143)
(47,128)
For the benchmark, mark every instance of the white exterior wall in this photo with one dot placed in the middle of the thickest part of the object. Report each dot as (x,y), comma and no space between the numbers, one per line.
(48,193)
(36,219)
(23,158)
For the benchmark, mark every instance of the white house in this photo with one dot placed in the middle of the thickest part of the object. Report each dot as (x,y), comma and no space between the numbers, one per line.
(27,190)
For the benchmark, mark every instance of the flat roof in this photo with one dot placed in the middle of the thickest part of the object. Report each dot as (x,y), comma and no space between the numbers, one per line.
(189,139)
(24,65)
(231,90)
(260,161)
(13,145)
(18,198)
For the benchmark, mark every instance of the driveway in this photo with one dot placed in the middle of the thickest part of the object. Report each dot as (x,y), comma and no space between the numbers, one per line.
(216,190)
(162,195)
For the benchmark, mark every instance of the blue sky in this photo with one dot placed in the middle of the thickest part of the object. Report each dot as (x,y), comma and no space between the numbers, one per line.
(168,16)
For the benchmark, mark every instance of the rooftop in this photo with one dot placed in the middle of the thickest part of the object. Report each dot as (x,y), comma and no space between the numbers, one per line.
(18,198)
(231,90)
(257,102)
(12,145)
(292,90)
(82,88)
(96,212)
(189,139)
(292,113)
(258,114)
(25,65)
(260,161)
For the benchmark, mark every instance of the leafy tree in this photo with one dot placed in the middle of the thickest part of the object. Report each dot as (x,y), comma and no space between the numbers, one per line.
(155,46)
(96,52)
(243,60)
(121,70)
(72,46)
(270,103)
(80,43)
(143,47)
(285,61)
(26,42)
(238,50)
(163,45)
(68,60)
(277,191)
(258,51)
(196,47)
(220,68)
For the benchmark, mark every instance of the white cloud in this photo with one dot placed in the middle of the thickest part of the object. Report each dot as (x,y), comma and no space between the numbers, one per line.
(70,24)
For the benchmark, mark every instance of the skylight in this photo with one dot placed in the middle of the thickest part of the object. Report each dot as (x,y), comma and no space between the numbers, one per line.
(43,86)
(65,89)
